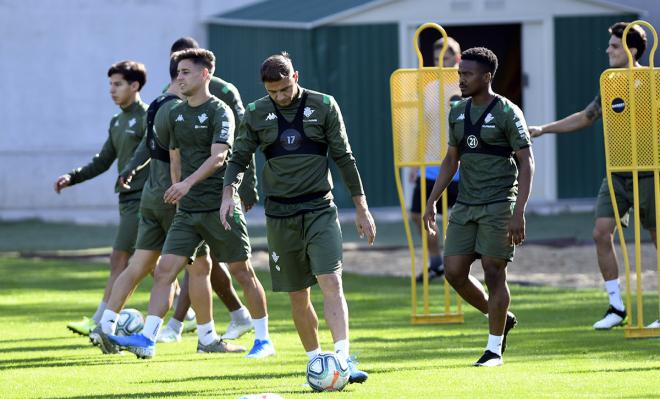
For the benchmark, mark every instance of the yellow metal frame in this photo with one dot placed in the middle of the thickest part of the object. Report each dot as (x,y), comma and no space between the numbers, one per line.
(426,317)
(614,155)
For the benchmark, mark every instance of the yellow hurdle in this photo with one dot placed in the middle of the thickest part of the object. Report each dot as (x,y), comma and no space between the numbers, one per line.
(419,130)
(631,108)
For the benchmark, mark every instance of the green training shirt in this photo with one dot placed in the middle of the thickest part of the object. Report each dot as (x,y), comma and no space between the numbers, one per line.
(294,175)
(193,131)
(489,178)
(124,134)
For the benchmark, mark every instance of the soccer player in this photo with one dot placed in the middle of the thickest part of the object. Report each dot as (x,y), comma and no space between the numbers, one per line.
(155,215)
(201,133)
(124,134)
(603,233)
(489,139)
(450,59)
(297,129)
(221,283)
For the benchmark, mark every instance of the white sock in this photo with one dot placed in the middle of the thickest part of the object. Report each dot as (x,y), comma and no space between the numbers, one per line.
(312,354)
(109,321)
(613,290)
(240,314)
(206,333)
(261,328)
(495,344)
(341,347)
(175,325)
(152,326)
(99,312)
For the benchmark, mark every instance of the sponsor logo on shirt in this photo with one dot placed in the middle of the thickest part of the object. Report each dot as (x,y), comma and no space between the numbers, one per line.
(202,117)
(179,118)
(200,126)
(132,122)
(461,117)
(521,130)
(116,123)
(271,116)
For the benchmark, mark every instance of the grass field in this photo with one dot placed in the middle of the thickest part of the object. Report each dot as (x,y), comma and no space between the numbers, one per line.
(552,354)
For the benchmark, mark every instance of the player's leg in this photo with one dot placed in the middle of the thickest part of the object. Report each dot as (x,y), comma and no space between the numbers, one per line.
(241,321)
(603,235)
(323,236)
(494,244)
(435,268)
(121,251)
(233,248)
(306,321)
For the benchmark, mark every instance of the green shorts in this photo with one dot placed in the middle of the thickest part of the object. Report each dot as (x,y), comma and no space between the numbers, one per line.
(480,230)
(623,190)
(129,214)
(302,247)
(189,231)
(153,228)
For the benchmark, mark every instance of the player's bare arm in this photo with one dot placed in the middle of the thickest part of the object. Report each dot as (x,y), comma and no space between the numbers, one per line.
(212,163)
(447,171)
(571,123)
(62,182)
(363,219)
(516,228)
(175,165)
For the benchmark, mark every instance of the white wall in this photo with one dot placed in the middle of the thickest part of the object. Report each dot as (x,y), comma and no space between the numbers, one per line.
(55,56)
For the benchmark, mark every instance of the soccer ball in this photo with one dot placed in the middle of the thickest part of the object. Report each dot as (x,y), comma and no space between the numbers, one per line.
(130,322)
(327,372)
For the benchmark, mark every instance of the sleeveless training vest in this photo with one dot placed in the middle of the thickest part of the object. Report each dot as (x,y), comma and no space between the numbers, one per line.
(471,143)
(156,151)
(292,140)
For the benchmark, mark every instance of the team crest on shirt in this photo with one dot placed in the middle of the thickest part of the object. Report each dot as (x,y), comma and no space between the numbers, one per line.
(202,117)
(132,122)
(179,118)
(308,112)
(117,123)
(271,116)
(489,118)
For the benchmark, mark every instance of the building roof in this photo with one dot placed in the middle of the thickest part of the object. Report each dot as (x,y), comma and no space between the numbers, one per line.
(309,14)
(306,14)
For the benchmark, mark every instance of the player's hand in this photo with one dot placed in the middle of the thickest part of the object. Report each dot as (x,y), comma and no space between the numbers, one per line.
(412,175)
(227,206)
(247,205)
(176,192)
(62,182)
(516,229)
(365,225)
(429,220)
(535,131)
(125,181)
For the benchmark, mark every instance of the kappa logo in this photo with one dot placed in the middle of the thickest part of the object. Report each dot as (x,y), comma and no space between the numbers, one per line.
(132,122)
(179,118)
(271,116)
(308,112)
(461,117)
(202,117)
(116,123)
(489,117)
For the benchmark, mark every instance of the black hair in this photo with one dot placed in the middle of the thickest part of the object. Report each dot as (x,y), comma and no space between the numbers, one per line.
(276,67)
(183,43)
(482,56)
(636,37)
(131,71)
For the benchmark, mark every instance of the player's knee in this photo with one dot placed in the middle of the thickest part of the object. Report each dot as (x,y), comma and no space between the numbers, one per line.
(456,278)
(299,299)
(242,272)
(602,235)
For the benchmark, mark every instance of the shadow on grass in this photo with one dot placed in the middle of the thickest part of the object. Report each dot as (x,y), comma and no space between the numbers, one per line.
(41,348)
(163,394)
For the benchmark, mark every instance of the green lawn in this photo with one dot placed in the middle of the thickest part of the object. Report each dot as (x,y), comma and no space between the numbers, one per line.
(552,354)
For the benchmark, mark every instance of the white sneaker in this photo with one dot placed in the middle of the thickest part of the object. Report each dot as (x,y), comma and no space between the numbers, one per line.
(613,317)
(190,321)
(655,324)
(237,329)
(168,335)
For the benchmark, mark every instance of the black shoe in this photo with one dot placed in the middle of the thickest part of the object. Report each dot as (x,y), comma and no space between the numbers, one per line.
(489,359)
(511,322)
(434,272)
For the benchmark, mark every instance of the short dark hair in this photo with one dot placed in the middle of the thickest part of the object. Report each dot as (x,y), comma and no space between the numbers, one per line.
(199,56)
(174,64)
(131,71)
(183,43)
(636,37)
(276,67)
(482,56)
